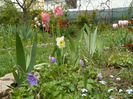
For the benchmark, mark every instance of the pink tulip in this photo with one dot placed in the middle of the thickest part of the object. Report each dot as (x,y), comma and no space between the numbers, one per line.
(120,23)
(35,19)
(125,22)
(58,12)
(45,17)
(115,26)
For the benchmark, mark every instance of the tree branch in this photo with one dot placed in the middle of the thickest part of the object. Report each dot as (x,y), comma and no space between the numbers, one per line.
(19,4)
(30,3)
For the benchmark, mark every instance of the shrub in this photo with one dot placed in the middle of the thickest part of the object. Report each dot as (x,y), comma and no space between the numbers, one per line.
(9,13)
(86,18)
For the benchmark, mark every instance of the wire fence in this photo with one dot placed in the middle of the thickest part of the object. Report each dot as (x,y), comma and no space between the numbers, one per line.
(107,15)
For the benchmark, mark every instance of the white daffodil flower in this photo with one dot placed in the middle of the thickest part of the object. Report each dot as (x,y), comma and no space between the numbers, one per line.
(110,90)
(60,42)
(83,95)
(118,79)
(120,90)
(129,91)
(84,90)
(103,82)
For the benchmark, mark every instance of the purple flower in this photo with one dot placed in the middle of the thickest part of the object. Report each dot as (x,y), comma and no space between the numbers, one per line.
(99,76)
(82,63)
(52,59)
(32,79)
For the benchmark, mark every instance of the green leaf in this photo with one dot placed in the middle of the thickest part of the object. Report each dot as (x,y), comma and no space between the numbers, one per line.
(72,45)
(17,79)
(20,55)
(94,41)
(33,55)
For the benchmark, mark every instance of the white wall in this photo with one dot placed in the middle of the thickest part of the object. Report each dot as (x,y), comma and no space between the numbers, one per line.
(95,4)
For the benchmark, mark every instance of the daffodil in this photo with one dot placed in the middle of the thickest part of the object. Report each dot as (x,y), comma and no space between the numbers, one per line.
(60,42)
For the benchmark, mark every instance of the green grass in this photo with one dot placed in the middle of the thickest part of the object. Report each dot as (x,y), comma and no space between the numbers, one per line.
(6,62)
(8,58)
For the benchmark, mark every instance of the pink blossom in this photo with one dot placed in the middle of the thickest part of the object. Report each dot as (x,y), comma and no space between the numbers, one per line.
(45,17)
(58,12)
(115,26)
(35,19)
(44,25)
(120,23)
(125,22)
(39,24)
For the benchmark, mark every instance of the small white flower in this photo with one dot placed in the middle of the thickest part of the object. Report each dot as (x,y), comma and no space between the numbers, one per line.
(111,97)
(84,90)
(111,76)
(110,90)
(129,91)
(103,82)
(118,79)
(120,90)
(60,42)
(83,95)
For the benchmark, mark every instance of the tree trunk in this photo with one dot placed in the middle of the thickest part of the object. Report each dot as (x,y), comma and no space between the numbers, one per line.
(25,16)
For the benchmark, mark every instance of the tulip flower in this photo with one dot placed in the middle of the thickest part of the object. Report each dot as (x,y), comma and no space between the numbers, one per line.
(58,12)
(45,17)
(120,23)
(125,22)
(115,26)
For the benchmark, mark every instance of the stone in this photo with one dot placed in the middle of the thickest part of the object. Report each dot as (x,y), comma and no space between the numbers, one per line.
(6,81)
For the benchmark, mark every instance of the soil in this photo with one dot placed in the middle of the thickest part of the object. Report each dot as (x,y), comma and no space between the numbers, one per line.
(107,71)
